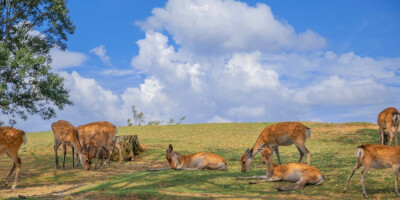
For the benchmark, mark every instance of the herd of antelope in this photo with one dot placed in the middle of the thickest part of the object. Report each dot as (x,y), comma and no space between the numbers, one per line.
(91,139)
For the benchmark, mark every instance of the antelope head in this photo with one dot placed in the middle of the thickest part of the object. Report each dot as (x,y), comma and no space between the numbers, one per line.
(171,156)
(245,160)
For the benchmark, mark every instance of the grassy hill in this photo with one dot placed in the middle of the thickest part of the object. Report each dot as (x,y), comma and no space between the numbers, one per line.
(331,145)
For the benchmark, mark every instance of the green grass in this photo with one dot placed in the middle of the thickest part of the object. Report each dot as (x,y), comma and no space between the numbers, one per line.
(331,145)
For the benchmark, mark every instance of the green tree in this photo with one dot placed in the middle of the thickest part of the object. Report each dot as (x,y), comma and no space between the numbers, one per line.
(140,118)
(28,30)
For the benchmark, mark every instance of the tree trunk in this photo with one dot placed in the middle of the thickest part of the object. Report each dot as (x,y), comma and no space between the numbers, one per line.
(130,147)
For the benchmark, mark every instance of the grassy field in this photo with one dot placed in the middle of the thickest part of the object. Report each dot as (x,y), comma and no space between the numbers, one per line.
(331,145)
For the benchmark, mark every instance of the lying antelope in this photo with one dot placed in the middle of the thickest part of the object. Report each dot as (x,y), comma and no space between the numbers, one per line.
(377,157)
(86,132)
(67,135)
(98,142)
(281,134)
(11,140)
(388,121)
(198,161)
(299,173)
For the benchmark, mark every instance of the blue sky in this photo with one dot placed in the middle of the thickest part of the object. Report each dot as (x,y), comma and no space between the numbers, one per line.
(230,61)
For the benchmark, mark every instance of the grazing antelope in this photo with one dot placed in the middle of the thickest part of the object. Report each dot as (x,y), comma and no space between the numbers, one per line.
(67,135)
(377,157)
(11,140)
(98,142)
(388,121)
(198,161)
(85,132)
(299,173)
(281,134)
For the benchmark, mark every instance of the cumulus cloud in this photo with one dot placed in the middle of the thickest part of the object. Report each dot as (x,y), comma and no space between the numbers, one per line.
(219,28)
(101,51)
(65,59)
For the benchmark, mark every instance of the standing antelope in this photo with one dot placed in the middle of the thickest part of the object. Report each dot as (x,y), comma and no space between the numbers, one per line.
(98,142)
(198,161)
(377,157)
(85,132)
(66,134)
(299,173)
(388,120)
(11,140)
(281,134)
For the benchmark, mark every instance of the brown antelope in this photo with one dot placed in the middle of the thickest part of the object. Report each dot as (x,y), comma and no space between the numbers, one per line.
(299,173)
(388,122)
(85,132)
(67,135)
(198,161)
(98,142)
(11,140)
(279,134)
(377,157)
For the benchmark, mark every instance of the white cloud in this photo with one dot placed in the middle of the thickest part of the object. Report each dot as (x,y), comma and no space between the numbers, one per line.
(64,59)
(337,91)
(228,26)
(101,51)
(91,101)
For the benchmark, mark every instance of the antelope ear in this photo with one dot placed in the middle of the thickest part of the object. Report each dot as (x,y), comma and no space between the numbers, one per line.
(247,151)
(170,148)
(251,151)
(85,147)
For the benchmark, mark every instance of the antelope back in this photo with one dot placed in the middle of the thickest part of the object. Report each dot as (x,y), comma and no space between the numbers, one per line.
(63,130)
(11,139)
(387,117)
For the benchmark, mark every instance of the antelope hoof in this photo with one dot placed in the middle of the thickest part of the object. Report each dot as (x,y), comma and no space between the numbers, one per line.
(13,187)
(57,167)
(6,184)
(398,194)
(365,195)
(252,182)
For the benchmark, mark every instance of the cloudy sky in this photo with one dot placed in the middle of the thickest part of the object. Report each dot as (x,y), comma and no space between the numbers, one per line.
(229,61)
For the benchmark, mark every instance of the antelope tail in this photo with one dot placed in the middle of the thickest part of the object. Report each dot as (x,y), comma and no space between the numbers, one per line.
(25,140)
(396,119)
(360,152)
(308,133)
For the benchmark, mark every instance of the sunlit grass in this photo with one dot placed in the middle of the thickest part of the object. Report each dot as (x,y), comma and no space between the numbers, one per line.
(331,145)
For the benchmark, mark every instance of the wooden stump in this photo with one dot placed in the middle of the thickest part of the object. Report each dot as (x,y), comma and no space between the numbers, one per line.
(129,144)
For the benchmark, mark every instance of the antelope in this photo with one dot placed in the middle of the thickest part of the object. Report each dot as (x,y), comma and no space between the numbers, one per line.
(85,132)
(284,134)
(98,142)
(198,161)
(388,120)
(299,173)
(66,134)
(11,140)
(378,157)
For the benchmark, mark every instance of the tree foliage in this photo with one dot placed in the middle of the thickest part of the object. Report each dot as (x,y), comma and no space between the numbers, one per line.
(29,29)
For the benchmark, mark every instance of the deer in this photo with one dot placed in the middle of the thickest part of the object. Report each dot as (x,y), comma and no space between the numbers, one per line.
(197,161)
(67,135)
(11,140)
(388,122)
(85,132)
(299,173)
(378,157)
(97,142)
(279,134)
